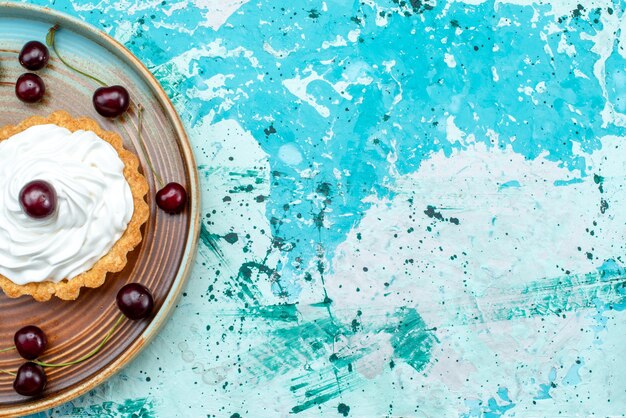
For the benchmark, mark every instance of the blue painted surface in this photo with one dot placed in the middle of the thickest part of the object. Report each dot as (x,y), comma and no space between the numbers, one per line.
(411,208)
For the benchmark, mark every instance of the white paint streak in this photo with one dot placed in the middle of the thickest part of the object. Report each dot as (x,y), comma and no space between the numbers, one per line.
(337,42)
(298,87)
(290,154)
(494,74)
(218,11)
(449,60)
(453,133)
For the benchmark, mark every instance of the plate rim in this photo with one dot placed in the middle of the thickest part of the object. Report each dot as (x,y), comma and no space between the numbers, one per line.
(189,253)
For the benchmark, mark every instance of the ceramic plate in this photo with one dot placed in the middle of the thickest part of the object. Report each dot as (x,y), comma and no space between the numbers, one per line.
(162,261)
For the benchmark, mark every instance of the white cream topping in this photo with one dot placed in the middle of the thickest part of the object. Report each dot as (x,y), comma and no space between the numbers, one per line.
(94,203)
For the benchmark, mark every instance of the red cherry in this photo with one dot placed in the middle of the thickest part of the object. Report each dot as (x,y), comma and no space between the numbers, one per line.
(135,301)
(30,88)
(111,101)
(34,55)
(172,198)
(30,341)
(38,199)
(30,379)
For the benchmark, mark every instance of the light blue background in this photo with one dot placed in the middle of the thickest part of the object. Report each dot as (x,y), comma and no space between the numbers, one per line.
(304,116)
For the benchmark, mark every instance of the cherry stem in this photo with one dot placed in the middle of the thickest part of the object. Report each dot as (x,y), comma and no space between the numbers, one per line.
(13,51)
(7,372)
(6,83)
(87,356)
(143,146)
(50,42)
(4,350)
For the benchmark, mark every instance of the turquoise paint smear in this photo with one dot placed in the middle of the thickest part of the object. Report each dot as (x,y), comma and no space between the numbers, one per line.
(324,389)
(291,346)
(210,241)
(572,377)
(601,305)
(545,388)
(136,408)
(285,313)
(503,393)
(561,183)
(475,408)
(549,297)
(497,410)
(412,340)
(493,408)
(509,184)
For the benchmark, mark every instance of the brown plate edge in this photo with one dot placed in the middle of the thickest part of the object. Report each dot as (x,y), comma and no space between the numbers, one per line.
(159,320)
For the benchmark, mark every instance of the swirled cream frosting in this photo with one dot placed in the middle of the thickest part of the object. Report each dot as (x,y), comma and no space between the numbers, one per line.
(94,203)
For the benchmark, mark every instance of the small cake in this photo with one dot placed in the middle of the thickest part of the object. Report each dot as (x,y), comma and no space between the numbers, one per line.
(72,202)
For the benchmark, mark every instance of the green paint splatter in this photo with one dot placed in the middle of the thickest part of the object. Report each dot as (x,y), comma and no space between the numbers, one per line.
(285,313)
(599,180)
(246,279)
(343,409)
(318,219)
(323,189)
(325,387)
(209,240)
(231,238)
(313,402)
(245,174)
(242,189)
(269,131)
